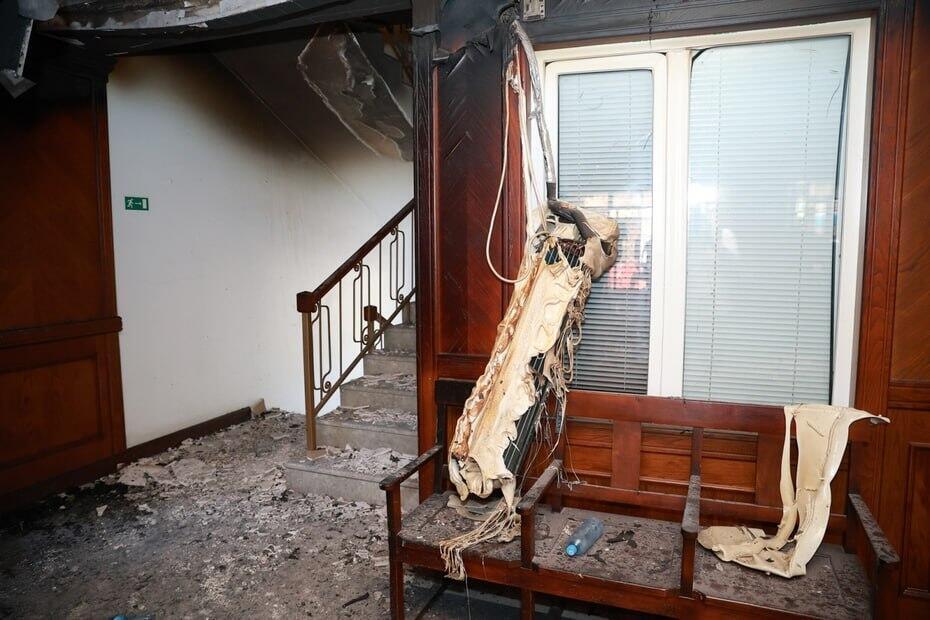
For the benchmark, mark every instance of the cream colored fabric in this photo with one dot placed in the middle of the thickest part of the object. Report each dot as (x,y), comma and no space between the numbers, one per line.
(543,318)
(531,326)
(822,432)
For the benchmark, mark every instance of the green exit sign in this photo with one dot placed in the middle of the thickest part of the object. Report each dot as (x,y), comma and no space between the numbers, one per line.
(137,203)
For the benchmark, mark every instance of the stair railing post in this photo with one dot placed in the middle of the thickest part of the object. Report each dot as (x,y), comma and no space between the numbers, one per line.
(309,399)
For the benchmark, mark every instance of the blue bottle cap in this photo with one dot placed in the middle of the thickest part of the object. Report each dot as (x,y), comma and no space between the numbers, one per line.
(571,550)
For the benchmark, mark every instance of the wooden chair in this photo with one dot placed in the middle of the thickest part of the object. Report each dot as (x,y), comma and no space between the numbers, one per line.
(642,562)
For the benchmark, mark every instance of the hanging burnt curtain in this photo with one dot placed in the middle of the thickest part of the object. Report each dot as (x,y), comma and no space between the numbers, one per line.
(567,247)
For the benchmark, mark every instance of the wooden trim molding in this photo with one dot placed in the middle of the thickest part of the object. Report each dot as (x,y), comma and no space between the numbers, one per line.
(909,395)
(61,331)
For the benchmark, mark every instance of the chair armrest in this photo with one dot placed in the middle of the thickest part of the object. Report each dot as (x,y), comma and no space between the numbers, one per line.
(394,480)
(881,547)
(542,484)
(691,517)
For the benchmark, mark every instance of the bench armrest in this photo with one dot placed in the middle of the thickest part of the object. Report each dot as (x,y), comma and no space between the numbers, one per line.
(881,547)
(691,517)
(527,509)
(542,484)
(393,481)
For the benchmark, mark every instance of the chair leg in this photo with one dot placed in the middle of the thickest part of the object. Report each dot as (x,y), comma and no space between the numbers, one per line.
(396,571)
(395,564)
(527,604)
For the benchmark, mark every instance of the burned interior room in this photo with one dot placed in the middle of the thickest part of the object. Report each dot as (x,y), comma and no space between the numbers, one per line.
(464,308)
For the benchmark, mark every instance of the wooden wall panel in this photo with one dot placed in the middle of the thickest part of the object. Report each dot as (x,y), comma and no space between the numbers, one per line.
(60,408)
(916,574)
(60,389)
(904,507)
(62,225)
(910,361)
(469,160)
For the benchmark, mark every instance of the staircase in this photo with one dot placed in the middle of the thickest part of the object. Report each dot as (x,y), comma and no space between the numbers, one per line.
(374,430)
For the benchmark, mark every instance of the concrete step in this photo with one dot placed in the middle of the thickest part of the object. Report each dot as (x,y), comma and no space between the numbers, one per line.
(369,428)
(381,392)
(400,338)
(352,475)
(390,363)
(410,313)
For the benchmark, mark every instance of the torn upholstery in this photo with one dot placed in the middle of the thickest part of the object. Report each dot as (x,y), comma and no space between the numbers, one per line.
(822,432)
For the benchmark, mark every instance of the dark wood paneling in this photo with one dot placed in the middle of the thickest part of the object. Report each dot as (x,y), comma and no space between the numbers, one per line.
(425,14)
(56,254)
(61,404)
(910,361)
(916,575)
(469,160)
(903,509)
(60,408)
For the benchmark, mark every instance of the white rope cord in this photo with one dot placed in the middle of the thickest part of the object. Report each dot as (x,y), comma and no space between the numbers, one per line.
(500,185)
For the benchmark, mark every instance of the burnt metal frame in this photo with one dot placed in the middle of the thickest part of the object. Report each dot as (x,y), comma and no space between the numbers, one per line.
(530,578)
(367,323)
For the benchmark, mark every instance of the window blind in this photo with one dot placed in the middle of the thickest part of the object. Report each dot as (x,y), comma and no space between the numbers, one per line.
(605,122)
(764,144)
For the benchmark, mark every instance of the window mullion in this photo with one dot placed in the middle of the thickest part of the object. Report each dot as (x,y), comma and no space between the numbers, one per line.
(670,316)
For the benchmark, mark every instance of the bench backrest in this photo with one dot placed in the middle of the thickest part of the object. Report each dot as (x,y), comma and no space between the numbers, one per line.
(635,455)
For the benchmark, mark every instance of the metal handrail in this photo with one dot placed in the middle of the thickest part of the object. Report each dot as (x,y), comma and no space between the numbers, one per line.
(367,322)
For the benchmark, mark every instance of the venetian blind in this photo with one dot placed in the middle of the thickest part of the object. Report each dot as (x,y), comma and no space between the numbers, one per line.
(605,122)
(765,132)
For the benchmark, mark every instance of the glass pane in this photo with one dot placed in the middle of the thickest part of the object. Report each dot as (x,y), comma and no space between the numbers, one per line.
(765,133)
(605,164)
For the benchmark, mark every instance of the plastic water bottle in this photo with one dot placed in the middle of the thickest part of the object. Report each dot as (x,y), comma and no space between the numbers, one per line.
(585,536)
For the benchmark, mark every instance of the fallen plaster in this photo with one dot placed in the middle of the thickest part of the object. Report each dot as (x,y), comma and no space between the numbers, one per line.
(207,529)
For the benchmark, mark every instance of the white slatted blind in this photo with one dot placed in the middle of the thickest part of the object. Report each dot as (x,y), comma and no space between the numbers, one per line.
(605,122)
(765,131)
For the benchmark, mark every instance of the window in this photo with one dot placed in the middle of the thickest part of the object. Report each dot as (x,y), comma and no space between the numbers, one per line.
(734,165)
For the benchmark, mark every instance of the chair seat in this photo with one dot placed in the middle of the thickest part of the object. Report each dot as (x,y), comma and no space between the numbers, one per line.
(647,552)
(835,585)
(644,551)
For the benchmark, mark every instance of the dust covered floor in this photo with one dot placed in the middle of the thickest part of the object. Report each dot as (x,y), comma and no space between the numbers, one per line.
(210,530)
(204,530)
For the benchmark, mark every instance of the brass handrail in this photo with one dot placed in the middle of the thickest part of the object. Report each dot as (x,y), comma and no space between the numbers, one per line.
(366,319)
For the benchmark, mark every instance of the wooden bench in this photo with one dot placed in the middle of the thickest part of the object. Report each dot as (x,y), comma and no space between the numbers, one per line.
(643,562)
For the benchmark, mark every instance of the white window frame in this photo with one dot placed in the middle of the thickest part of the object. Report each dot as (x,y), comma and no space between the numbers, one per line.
(670,61)
(657,65)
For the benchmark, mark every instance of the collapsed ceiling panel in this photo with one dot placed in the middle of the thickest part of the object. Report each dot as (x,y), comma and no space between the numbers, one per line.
(335,66)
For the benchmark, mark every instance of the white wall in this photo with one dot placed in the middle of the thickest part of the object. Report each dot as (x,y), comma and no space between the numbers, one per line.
(242,217)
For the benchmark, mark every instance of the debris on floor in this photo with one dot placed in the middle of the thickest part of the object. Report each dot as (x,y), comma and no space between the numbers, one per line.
(209,529)
(206,529)
(381,461)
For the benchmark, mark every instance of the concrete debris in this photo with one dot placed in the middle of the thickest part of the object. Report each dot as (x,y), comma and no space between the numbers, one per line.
(366,460)
(398,382)
(391,418)
(208,529)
